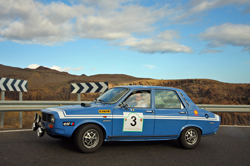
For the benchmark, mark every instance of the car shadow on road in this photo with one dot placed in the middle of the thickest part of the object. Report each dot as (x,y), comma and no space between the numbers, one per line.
(125,144)
(68,144)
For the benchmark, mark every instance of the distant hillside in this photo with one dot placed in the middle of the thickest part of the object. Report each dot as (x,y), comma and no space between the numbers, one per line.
(48,84)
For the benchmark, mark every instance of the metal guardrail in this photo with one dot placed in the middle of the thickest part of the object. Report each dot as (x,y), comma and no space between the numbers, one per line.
(225,108)
(20,106)
(12,106)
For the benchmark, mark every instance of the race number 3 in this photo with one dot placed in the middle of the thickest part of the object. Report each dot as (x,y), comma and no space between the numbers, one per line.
(132,122)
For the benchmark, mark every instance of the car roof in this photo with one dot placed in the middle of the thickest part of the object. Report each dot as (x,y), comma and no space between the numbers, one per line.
(131,87)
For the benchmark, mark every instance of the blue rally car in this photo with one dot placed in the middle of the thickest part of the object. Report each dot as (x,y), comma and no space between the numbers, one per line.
(130,113)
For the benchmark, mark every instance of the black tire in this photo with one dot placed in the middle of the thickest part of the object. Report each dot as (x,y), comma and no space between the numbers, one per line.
(190,137)
(88,138)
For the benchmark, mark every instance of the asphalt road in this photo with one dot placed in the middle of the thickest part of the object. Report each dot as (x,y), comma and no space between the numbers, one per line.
(230,146)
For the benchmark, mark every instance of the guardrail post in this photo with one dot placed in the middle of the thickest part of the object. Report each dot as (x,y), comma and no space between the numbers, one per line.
(20,113)
(20,96)
(2,113)
(20,119)
(78,96)
(2,119)
(3,95)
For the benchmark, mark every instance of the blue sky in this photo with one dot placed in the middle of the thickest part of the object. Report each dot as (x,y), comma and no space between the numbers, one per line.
(167,39)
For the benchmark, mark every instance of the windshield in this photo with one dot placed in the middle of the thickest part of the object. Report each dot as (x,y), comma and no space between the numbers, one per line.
(112,95)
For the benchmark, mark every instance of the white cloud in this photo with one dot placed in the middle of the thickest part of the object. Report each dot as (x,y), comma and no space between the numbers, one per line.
(77,69)
(119,23)
(150,66)
(33,66)
(65,69)
(50,23)
(228,34)
(194,9)
(33,22)
(162,43)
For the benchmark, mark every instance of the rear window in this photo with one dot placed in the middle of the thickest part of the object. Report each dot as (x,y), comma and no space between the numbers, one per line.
(165,99)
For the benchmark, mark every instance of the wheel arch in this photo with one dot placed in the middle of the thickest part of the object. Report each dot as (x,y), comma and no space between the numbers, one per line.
(90,122)
(189,126)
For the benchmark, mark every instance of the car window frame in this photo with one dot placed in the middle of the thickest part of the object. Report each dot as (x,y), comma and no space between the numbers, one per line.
(117,101)
(177,94)
(133,90)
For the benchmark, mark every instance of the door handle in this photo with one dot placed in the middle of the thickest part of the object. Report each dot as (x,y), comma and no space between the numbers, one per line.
(182,112)
(149,111)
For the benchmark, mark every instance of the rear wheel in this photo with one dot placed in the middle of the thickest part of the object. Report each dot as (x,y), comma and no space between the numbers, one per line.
(190,137)
(88,138)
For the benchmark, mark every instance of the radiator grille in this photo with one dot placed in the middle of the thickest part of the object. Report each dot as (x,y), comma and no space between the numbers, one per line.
(46,117)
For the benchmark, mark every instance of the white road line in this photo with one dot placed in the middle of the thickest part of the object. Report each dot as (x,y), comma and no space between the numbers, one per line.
(9,131)
(233,126)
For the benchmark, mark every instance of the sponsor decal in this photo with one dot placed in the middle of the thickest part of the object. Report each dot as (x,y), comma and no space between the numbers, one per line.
(68,123)
(104,111)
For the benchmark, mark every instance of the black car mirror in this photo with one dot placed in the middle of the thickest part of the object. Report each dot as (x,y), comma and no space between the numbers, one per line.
(124,105)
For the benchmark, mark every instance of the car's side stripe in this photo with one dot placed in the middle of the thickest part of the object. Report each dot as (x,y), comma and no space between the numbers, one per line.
(62,114)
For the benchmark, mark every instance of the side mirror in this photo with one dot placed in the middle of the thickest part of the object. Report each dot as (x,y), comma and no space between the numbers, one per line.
(124,105)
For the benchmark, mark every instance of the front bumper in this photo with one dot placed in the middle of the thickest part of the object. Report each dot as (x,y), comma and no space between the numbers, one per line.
(37,125)
(41,127)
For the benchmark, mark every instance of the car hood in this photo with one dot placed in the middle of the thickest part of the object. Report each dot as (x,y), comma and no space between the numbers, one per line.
(78,110)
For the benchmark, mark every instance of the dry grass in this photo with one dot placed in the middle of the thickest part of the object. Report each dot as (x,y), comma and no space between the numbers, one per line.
(11,119)
(234,118)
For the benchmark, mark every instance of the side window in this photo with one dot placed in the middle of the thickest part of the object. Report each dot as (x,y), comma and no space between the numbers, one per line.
(139,99)
(167,99)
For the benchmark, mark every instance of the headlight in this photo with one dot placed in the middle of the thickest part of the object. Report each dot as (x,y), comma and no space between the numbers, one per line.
(52,118)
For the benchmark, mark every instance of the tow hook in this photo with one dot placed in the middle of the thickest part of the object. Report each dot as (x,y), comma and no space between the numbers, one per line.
(37,126)
(40,132)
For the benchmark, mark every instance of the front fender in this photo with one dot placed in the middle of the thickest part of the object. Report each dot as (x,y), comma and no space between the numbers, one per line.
(104,128)
(190,125)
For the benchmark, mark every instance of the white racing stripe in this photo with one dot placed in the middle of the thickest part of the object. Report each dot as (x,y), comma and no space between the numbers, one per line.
(62,114)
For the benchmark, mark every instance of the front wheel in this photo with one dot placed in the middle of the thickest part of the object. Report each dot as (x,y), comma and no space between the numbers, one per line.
(89,138)
(190,137)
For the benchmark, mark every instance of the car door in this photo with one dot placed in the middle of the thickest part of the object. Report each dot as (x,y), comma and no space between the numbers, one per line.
(170,115)
(136,118)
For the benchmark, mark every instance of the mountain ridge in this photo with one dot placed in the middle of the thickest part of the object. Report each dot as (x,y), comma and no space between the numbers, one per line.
(48,84)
